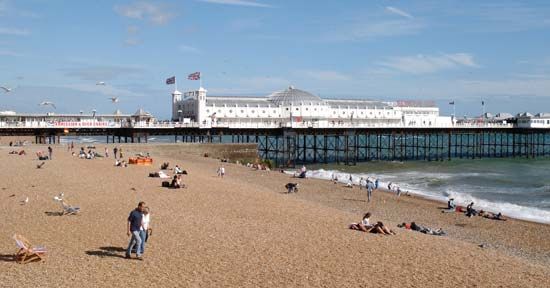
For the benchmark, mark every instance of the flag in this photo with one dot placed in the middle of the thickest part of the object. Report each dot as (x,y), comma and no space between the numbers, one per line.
(194,76)
(171,80)
(452,103)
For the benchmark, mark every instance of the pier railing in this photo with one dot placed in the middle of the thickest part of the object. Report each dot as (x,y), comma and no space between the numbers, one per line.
(237,125)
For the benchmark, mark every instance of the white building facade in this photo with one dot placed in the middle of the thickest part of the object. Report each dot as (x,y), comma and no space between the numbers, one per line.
(299,109)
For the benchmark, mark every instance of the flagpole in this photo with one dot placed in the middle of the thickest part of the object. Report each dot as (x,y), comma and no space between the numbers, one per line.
(200,80)
(454,109)
(176,82)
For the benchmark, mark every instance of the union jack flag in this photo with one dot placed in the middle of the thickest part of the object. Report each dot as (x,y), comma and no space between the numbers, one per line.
(171,80)
(194,76)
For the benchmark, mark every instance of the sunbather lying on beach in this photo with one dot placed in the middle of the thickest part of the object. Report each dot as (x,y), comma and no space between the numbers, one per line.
(422,229)
(380,228)
(492,216)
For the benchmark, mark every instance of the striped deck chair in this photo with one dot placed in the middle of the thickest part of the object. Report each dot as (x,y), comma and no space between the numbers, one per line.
(27,253)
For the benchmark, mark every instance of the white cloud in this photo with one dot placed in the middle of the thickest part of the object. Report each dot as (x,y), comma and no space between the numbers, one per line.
(421,64)
(132,29)
(9,53)
(14,31)
(188,49)
(398,12)
(131,42)
(238,3)
(107,90)
(369,30)
(323,75)
(155,13)
(102,72)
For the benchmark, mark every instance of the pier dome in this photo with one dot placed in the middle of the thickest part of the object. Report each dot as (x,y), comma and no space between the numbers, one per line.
(293,96)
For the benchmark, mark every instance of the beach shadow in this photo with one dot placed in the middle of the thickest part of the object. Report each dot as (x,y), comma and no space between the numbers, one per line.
(7,257)
(107,251)
(461,225)
(49,213)
(351,199)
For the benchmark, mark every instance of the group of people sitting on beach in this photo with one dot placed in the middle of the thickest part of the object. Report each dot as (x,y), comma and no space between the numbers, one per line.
(366,226)
(470,211)
(176,182)
(14,152)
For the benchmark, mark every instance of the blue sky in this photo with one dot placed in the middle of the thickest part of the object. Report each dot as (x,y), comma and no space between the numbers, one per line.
(438,50)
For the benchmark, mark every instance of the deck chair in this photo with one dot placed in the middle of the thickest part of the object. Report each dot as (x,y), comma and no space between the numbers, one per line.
(27,253)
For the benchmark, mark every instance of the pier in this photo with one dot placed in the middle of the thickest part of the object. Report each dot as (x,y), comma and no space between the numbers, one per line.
(289,146)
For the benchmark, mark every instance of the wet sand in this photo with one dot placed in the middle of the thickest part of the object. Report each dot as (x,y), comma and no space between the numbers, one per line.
(244,230)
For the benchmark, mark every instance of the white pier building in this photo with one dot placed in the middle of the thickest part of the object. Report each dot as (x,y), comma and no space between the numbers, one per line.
(300,109)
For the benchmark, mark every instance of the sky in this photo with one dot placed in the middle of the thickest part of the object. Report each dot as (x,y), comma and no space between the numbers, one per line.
(442,50)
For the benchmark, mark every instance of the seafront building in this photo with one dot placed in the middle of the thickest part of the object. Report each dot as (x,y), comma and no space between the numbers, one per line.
(288,108)
(297,108)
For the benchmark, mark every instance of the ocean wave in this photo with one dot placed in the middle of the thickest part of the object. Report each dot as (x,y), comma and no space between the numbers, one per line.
(513,210)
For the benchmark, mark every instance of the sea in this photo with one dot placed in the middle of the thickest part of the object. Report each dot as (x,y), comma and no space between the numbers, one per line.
(517,187)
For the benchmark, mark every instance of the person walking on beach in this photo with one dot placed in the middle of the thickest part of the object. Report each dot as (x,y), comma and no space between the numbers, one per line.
(376,182)
(120,152)
(370,187)
(115,150)
(221,171)
(135,224)
(106,152)
(50,152)
(362,183)
(145,229)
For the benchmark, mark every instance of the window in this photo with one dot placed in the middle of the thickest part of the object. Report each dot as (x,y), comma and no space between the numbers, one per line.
(307,109)
(207,110)
(274,111)
(242,111)
(252,111)
(263,111)
(296,108)
(219,110)
(230,111)
(287,109)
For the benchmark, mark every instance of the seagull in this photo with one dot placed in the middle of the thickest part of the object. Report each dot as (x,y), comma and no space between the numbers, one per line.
(100,83)
(23,202)
(113,99)
(46,103)
(6,89)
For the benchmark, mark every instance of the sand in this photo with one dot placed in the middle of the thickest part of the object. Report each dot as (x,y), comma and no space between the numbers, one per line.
(244,231)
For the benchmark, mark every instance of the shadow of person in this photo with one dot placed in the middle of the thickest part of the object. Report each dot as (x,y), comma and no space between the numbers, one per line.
(49,213)
(107,251)
(7,257)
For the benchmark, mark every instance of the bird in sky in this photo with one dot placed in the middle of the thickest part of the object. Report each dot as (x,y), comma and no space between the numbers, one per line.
(6,89)
(47,103)
(100,83)
(113,99)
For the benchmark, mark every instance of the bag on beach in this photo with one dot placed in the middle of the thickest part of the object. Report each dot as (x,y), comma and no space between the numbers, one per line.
(165,184)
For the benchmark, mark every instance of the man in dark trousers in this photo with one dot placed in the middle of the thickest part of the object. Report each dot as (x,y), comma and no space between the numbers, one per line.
(50,151)
(134,227)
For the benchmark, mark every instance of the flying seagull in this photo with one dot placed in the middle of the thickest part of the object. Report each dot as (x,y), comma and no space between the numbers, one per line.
(100,83)
(46,103)
(113,99)
(6,89)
